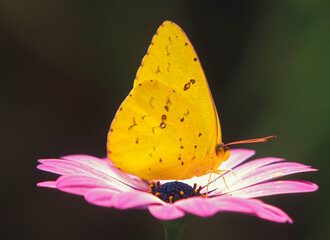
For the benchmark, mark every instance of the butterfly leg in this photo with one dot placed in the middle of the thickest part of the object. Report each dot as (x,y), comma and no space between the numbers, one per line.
(180,178)
(227,170)
(221,173)
(207,186)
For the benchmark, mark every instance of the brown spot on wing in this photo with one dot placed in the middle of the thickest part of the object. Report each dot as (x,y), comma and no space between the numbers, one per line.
(150,101)
(167,52)
(168,67)
(168,101)
(186,113)
(133,125)
(157,70)
(186,86)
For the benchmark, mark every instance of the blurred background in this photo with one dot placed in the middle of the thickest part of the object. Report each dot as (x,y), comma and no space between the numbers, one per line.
(65,66)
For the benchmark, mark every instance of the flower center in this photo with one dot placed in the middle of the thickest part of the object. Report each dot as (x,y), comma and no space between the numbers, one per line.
(174,191)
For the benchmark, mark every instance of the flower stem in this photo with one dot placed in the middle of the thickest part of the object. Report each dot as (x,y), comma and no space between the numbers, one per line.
(174,228)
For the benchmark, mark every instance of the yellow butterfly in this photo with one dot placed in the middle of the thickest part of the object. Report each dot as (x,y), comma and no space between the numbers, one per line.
(168,126)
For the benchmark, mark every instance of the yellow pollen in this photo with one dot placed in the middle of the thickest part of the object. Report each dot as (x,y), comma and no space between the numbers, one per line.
(181,193)
(157,194)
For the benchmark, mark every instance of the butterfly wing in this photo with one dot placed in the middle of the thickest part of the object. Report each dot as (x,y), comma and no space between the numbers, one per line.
(168,122)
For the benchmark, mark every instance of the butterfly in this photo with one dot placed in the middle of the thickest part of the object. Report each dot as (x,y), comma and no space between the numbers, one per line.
(168,127)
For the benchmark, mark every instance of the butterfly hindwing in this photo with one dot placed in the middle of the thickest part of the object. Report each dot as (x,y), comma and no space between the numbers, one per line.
(155,133)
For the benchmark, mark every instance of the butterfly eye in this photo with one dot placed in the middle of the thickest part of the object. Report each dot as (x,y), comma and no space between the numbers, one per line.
(221,149)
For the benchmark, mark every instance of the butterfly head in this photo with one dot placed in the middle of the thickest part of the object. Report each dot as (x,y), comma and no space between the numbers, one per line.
(222,151)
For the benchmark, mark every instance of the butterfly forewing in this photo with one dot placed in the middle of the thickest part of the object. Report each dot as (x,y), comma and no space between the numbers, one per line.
(172,60)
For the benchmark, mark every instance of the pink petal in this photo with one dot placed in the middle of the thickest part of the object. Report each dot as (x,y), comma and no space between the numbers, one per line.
(89,165)
(132,180)
(134,199)
(64,167)
(206,207)
(99,164)
(100,196)
(255,207)
(275,188)
(258,163)
(79,184)
(231,204)
(247,175)
(50,184)
(101,170)
(275,170)
(199,206)
(81,158)
(273,213)
(268,172)
(165,212)
(237,156)
(91,162)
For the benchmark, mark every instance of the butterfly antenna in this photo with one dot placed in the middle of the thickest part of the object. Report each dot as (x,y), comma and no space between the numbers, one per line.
(255,140)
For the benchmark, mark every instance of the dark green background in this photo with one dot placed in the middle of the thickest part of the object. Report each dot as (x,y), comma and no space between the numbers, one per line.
(65,66)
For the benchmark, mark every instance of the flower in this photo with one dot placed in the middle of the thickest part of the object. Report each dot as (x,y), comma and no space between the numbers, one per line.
(102,184)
